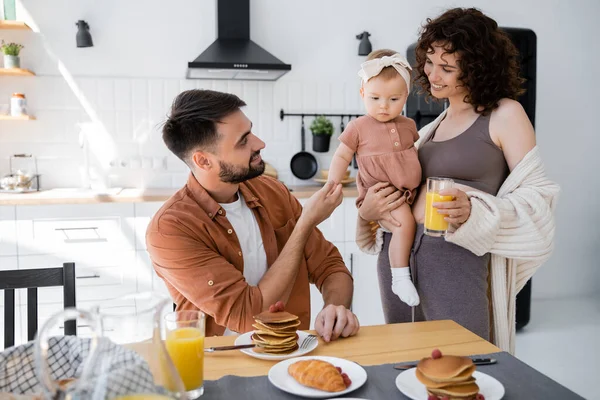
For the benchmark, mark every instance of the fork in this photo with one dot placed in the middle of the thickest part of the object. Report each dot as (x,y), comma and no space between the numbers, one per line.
(308,341)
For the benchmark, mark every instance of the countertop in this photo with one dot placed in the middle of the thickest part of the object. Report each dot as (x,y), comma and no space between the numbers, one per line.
(123,195)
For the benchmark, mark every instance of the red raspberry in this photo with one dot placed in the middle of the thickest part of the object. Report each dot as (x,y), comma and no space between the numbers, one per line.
(479,397)
(339,369)
(432,397)
(436,353)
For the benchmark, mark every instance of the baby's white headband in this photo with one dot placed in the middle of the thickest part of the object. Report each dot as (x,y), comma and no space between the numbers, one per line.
(372,68)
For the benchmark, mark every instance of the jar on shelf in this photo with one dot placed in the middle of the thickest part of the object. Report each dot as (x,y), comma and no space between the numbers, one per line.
(18,105)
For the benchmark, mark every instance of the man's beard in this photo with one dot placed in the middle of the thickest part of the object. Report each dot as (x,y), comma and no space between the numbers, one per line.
(235,174)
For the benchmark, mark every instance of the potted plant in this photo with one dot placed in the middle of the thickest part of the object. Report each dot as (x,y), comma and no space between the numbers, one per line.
(11,54)
(322,129)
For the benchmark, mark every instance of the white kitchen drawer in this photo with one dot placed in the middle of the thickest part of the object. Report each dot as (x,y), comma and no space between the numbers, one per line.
(8,264)
(45,311)
(143,214)
(333,228)
(147,278)
(8,231)
(61,229)
(99,276)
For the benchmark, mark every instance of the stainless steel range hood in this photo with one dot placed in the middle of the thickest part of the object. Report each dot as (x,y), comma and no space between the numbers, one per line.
(233,55)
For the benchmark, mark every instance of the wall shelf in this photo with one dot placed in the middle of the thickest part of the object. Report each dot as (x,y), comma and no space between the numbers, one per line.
(18,118)
(16,25)
(15,72)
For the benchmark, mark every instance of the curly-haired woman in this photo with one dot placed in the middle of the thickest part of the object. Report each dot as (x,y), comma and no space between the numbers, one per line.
(501,218)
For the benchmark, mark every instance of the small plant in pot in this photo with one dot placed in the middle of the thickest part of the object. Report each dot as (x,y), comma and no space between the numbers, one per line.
(11,54)
(322,129)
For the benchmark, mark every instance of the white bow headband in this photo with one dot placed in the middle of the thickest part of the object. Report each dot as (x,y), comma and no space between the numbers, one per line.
(372,68)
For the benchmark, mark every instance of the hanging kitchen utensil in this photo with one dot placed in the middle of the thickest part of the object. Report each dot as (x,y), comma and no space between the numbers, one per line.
(354,163)
(342,125)
(304,165)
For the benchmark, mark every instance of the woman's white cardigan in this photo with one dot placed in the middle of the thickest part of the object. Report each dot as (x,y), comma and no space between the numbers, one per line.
(516,226)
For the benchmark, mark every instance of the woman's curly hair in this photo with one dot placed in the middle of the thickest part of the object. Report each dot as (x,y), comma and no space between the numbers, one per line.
(488,60)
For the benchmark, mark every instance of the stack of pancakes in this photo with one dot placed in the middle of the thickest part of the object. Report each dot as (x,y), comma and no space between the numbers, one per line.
(275,332)
(448,376)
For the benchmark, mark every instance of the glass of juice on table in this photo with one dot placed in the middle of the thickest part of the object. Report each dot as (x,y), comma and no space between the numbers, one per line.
(435,224)
(185,345)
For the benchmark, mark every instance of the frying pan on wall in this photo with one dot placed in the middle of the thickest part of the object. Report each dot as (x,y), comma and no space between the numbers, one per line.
(303,164)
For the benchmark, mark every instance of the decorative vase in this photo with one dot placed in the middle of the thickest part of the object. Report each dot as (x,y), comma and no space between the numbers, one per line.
(12,61)
(321,143)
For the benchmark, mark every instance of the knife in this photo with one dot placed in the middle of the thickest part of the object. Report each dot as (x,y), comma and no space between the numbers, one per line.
(476,361)
(222,348)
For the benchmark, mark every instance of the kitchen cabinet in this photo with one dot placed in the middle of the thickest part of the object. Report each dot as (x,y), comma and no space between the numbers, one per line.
(75,228)
(6,264)
(366,303)
(8,232)
(143,214)
(107,243)
(104,276)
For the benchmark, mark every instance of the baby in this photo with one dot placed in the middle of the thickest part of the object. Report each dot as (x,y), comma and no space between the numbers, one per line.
(384,143)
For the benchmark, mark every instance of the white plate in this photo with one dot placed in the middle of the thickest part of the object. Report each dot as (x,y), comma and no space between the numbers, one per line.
(246,339)
(410,386)
(279,377)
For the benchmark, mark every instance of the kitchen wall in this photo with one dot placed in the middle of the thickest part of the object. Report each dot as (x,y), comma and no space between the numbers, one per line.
(112,97)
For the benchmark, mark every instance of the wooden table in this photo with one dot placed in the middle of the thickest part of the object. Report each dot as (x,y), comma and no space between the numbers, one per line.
(373,345)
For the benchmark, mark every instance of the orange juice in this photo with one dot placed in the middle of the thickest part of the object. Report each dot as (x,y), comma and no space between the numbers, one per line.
(434,222)
(186,348)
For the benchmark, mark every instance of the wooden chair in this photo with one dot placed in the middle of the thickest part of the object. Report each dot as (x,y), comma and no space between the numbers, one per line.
(32,279)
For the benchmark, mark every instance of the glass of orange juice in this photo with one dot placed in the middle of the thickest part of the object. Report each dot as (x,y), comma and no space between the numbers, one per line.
(185,345)
(435,224)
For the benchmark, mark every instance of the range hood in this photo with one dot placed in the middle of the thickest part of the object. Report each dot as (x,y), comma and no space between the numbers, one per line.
(233,55)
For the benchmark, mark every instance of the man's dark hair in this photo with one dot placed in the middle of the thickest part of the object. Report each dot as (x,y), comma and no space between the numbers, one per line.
(192,123)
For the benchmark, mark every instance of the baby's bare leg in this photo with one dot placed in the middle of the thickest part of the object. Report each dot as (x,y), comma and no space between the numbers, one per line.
(402,236)
(399,253)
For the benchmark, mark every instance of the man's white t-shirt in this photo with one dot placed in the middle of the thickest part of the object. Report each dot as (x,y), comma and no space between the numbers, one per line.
(246,228)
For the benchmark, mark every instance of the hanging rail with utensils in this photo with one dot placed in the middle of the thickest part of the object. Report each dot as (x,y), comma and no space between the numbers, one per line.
(283,114)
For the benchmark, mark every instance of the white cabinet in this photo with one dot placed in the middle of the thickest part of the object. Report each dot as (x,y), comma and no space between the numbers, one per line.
(8,231)
(63,229)
(143,214)
(148,280)
(107,244)
(99,276)
(316,298)
(366,303)
(7,264)
(45,311)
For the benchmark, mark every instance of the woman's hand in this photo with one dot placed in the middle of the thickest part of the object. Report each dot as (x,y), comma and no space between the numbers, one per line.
(457,210)
(379,201)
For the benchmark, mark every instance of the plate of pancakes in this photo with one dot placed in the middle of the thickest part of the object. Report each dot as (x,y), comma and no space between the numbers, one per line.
(448,376)
(276,337)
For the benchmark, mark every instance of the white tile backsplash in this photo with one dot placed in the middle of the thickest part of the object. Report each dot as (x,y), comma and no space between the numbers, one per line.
(129,113)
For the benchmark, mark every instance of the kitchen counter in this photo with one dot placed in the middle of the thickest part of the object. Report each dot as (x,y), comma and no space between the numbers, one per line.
(120,195)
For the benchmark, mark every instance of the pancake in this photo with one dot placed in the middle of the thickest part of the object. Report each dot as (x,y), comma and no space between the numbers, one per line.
(437,385)
(448,376)
(462,391)
(275,332)
(275,317)
(445,367)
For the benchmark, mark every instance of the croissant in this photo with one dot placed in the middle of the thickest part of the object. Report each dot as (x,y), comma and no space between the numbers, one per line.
(317,374)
